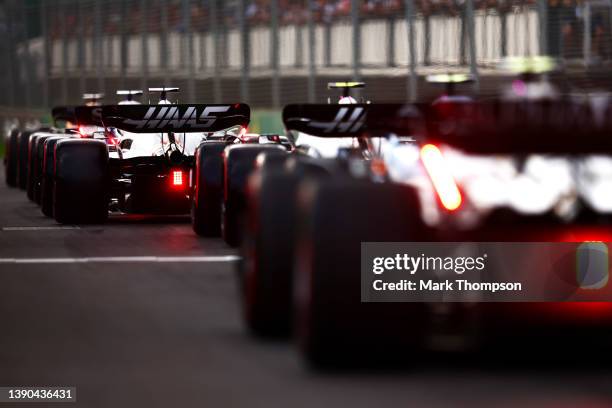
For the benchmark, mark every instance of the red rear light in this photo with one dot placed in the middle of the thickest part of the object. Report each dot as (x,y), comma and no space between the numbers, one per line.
(82,131)
(441,177)
(242,132)
(177,178)
(585,234)
(378,167)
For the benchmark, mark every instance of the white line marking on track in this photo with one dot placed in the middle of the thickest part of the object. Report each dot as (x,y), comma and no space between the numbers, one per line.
(48,228)
(122,259)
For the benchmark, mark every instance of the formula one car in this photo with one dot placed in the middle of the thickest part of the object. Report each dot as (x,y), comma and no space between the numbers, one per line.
(22,144)
(265,277)
(149,172)
(84,122)
(220,206)
(93,98)
(223,164)
(483,171)
(19,154)
(129,96)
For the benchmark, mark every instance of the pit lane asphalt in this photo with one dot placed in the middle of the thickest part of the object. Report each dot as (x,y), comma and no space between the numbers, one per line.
(152,334)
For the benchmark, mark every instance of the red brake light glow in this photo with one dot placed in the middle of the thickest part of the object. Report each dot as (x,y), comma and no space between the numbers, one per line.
(441,177)
(177,178)
(83,131)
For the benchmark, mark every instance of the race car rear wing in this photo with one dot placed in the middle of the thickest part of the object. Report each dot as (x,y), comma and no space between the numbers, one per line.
(486,127)
(499,127)
(365,120)
(175,118)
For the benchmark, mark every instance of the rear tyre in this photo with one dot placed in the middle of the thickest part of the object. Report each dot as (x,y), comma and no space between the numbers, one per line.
(333,325)
(40,162)
(81,181)
(268,253)
(10,159)
(32,165)
(238,163)
(23,141)
(269,245)
(208,193)
(47,177)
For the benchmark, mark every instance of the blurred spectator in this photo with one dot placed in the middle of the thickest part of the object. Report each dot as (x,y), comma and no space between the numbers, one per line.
(292,12)
(561,27)
(257,12)
(600,36)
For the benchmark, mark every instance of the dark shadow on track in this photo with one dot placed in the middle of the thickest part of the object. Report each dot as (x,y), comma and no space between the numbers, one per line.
(138,219)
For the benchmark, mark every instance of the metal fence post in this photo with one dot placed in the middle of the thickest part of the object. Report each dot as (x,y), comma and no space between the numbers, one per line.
(64,31)
(469,16)
(299,51)
(391,41)
(528,43)
(503,20)
(412,74)
(25,60)
(542,8)
(123,47)
(327,44)
(245,47)
(44,29)
(109,57)
(163,41)
(10,50)
(203,39)
(188,44)
(182,60)
(462,34)
(484,40)
(214,29)
(427,39)
(144,45)
(81,46)
(224,33)
(98,52)
(356,38)
(586,37)
(274,54)
(312,70)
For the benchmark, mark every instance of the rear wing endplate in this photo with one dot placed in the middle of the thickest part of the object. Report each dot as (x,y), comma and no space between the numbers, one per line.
(175,118)
(373,120)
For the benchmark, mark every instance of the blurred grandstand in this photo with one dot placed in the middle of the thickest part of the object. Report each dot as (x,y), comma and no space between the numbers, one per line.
(272,52)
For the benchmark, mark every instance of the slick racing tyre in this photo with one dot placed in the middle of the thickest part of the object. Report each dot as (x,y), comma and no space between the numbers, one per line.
(35,167)
(268,247)
(208,193)
(333,326)
(40,159)
(81,181)
(23,141)
(32,154)
(11,158)
(238,163)
(47,183)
